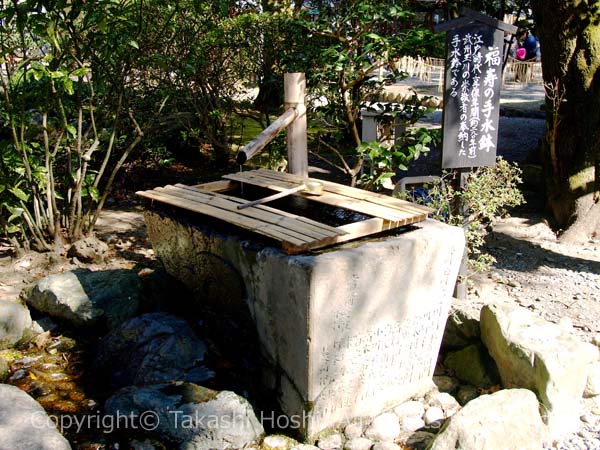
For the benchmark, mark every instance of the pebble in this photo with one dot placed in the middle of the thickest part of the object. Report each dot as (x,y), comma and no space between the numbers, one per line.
(27,361)
(304,447)
(353,430)
(466,393)
(433,415)
(446,402)
(446,384)
(412,423)
(384,427)
(331,442)
(411,408)
(18,375)
(278,442)
(358,444)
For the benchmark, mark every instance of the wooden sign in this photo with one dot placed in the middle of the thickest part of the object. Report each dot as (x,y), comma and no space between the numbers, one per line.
(473,78)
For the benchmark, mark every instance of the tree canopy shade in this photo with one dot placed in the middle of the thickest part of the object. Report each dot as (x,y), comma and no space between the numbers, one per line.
(569,33)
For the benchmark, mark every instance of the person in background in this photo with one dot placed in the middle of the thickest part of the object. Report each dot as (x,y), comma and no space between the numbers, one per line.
(531,44)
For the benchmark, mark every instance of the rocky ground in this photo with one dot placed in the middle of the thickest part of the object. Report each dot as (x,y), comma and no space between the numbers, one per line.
(561,283)
(557,282)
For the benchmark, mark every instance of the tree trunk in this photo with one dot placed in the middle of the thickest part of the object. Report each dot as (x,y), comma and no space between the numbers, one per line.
(569,33)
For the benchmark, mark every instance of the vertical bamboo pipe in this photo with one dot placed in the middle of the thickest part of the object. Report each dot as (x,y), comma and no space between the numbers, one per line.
(294,86)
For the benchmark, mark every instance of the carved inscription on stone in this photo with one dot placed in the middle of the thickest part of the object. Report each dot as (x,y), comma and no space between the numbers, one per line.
(392,354)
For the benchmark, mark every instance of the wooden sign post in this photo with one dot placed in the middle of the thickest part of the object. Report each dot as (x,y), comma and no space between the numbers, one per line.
(473,78)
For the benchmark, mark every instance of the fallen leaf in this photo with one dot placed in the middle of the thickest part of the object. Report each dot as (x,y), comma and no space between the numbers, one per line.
(42,339)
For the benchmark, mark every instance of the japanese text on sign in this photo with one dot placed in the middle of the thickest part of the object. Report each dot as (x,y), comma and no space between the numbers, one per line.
(473,76)
(468,65)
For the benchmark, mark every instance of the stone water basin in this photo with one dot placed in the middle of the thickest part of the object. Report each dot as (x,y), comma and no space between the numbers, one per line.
(346,332)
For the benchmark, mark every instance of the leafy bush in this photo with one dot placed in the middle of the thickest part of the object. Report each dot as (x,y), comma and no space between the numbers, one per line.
(65,77)
(489,193)
(384,160)
(344,47)
(424,42)
(82,84)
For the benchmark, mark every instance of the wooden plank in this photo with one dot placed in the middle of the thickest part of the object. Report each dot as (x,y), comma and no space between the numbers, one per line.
(291,227)
(372,197)
(338,199)
(330,198)
(358,194)
(296,233)
(315,227)
(217,186)
(225,205)
(257,226)
(354,231)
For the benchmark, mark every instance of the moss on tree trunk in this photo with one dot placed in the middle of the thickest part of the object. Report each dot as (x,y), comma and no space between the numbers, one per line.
(569,33)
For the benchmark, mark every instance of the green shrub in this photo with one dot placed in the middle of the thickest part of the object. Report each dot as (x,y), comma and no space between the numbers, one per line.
(489,193)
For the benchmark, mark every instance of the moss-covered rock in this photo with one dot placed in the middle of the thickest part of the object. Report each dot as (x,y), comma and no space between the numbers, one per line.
(4,369)
(82,297)
(473,365)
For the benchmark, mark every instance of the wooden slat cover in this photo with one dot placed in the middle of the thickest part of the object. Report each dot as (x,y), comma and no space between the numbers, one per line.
(305,225)
(371,197)
(263,220)
(402,217)
(296,234)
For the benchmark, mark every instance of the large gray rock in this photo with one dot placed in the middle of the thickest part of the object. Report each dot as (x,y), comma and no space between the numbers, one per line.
(15,320)
(534,354)
(507,420)
(152,348)
(83,297)
(191,416)
(24,425)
